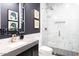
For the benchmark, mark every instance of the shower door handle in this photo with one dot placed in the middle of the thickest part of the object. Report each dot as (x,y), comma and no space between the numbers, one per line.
(59,34)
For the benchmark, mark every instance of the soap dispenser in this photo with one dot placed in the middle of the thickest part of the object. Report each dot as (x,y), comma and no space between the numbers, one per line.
(21,36)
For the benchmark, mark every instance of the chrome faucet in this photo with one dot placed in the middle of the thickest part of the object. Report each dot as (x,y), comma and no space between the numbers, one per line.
(13,39)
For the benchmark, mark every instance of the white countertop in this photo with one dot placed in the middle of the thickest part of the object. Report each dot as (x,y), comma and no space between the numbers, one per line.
(6,46)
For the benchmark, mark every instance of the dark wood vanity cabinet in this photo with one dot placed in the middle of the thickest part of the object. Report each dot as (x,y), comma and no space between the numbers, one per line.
(33,51)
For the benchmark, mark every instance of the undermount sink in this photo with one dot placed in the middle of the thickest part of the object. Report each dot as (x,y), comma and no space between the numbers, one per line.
(16,44)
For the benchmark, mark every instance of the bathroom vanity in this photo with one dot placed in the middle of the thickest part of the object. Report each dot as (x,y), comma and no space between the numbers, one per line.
(26,47)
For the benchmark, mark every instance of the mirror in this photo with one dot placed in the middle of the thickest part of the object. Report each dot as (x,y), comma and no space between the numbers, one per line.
(9,26)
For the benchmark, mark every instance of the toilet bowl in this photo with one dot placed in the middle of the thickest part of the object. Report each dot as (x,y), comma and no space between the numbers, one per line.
(45,51)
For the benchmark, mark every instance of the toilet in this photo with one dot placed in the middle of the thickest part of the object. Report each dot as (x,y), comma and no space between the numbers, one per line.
(45,51)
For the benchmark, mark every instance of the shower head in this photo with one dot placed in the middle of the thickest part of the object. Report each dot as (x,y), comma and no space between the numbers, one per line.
(49,6)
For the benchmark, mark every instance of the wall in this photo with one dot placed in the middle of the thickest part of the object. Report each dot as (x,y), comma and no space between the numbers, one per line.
(68,39)
(43,24)
(29,17)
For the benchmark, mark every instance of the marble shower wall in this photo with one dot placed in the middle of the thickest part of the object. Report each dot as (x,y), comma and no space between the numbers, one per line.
(62,23)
